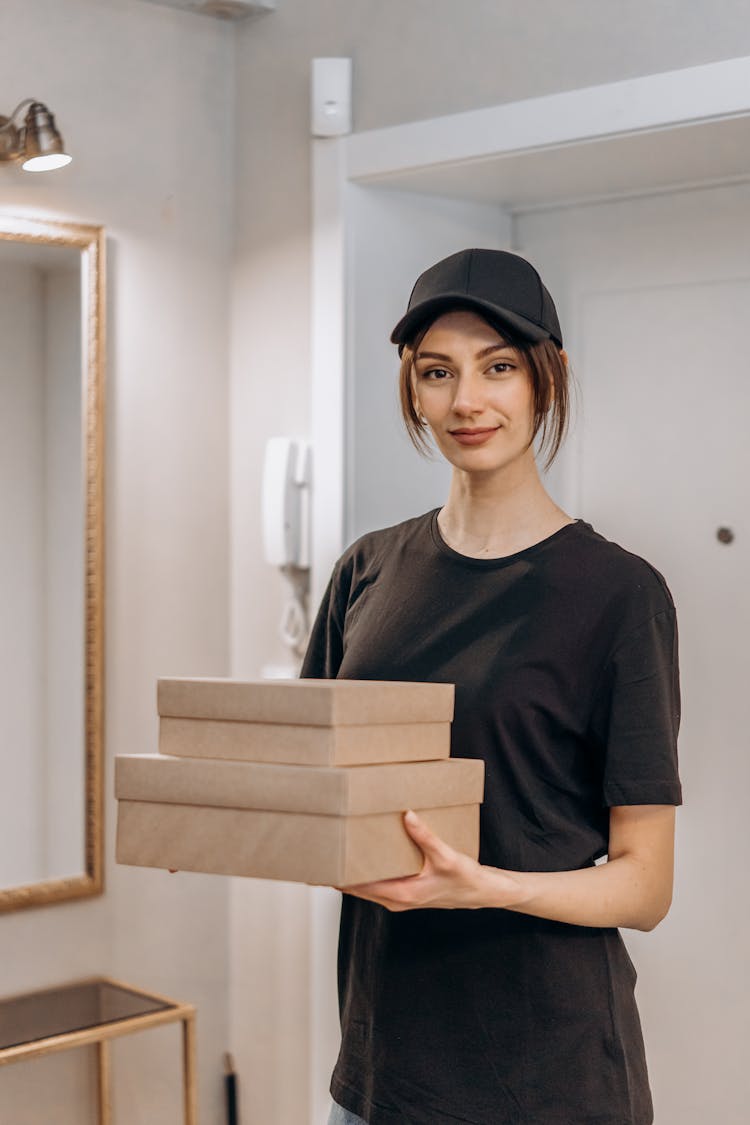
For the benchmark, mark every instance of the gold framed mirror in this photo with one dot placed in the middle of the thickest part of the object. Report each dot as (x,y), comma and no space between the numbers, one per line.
(52,561)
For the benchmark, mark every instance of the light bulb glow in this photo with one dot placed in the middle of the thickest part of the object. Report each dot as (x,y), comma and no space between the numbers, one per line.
(46,163)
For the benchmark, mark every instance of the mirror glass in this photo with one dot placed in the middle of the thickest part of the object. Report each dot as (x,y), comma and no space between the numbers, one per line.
(50,564)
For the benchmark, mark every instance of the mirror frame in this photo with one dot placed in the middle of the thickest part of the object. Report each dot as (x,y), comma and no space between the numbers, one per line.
(90,240)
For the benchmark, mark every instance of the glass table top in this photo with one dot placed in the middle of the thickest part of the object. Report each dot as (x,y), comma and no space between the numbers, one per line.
(71,1007)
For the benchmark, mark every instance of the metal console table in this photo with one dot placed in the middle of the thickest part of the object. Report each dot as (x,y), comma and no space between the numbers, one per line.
(91,1012)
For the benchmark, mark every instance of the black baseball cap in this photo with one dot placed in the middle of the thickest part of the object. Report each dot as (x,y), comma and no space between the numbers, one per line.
(496,282)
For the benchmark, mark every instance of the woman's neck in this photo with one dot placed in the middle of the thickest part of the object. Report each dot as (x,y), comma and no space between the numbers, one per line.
(492,515)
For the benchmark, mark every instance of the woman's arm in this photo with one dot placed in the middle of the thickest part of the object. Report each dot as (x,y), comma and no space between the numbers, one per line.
(632,889)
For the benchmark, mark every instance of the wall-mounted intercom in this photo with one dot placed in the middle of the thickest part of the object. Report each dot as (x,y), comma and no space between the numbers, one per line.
(287,479)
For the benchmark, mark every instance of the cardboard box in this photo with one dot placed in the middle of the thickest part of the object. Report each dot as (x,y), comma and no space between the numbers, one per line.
(304,745)
(323,703)
(335,851)
(304,811)
(338,791)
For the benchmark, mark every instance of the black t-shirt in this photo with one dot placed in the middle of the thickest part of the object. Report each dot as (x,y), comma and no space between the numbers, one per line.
(564,657)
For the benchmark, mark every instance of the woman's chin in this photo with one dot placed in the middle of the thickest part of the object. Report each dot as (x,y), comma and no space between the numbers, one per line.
(481,459)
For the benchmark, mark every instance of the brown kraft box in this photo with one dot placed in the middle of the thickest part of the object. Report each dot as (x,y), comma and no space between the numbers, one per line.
(304,745)
(325,703)
(336,851)
(337,791)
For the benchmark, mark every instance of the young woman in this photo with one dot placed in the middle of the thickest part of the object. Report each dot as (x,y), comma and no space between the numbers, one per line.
(499,992)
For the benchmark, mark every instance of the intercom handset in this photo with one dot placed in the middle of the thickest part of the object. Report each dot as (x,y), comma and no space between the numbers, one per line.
(287,481)
(287,478)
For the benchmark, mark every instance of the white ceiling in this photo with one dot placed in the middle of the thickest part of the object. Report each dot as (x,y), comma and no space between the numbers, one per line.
(652,160)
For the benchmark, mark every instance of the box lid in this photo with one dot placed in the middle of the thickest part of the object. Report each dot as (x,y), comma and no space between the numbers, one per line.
(331,790)
(313,702)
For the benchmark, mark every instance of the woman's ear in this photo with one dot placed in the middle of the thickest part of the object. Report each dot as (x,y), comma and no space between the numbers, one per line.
(564,356)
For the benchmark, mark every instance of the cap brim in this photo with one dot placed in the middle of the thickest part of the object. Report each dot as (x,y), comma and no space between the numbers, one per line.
(427,310)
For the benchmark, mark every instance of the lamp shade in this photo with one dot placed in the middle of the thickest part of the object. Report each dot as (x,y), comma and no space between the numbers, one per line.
(43,146)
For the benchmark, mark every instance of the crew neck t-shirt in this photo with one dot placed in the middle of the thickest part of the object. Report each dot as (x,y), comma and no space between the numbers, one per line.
(564,657)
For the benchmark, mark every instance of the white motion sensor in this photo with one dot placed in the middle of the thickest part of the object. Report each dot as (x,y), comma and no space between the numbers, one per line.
(331,97)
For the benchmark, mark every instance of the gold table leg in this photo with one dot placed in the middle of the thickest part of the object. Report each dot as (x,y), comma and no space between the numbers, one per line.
(188,1069)
(104,1091)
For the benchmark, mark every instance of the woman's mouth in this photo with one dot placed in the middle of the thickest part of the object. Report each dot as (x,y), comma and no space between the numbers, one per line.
(466,436)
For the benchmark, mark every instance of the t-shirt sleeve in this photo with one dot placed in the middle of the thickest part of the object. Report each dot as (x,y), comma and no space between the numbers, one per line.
(325,648)
(637,716)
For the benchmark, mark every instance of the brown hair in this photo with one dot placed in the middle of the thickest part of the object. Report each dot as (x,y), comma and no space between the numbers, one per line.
(549,379)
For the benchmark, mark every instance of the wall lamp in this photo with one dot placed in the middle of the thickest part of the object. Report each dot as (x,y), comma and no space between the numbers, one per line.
(34,141)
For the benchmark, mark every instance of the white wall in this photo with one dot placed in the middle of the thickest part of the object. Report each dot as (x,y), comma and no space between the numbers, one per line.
(143,96)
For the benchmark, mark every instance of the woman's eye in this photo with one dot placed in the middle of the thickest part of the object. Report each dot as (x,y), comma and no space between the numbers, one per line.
(501,367)
(436,374)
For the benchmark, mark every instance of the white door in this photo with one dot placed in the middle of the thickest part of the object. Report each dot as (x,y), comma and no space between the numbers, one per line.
(658,294)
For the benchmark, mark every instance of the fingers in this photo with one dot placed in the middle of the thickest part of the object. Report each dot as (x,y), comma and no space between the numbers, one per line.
(412,891)
(434,849)
(393,894)
(383,888)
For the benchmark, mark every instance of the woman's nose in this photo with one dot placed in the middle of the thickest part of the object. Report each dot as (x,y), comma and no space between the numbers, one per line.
(467,398)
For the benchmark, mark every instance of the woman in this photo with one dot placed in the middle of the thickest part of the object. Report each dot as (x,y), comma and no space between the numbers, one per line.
(499,992)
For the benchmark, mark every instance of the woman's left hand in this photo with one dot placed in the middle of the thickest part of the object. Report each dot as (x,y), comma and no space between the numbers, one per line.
(448,879)
(633,888)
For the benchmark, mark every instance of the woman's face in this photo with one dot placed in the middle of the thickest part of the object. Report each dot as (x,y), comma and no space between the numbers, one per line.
(475,392)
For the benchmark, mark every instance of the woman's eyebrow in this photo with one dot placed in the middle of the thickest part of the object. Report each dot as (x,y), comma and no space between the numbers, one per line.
(493,348)
(480,355)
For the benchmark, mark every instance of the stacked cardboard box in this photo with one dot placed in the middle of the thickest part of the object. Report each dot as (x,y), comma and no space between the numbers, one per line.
(302,780)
